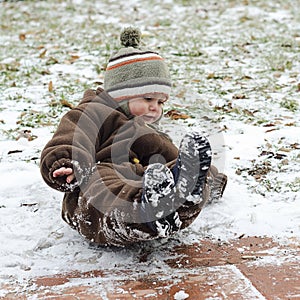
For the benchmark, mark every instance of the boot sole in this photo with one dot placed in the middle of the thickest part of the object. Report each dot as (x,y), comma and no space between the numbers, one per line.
(195,160)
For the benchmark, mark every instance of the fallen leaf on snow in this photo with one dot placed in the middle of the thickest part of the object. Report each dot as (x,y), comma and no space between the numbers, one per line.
(50,86)
(239,96)
(27,135)
(14,151)
(270,130)
(22,36)
(52,61)
(274,155)
(174,114)
(73,58)
(284,149)
(290,124)
(210,76)
(66,103)
(295,146)
(43,53)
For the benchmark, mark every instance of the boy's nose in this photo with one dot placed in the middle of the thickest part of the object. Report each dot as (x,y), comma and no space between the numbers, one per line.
(153,106)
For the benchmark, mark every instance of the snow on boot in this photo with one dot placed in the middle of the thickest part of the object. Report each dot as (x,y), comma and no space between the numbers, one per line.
(158,210)
(158,182)
(166,226)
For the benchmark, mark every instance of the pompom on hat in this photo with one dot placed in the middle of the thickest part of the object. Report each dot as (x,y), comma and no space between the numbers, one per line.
(133,72)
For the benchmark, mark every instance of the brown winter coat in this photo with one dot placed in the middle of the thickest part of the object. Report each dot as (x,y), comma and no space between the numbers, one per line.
(109,152)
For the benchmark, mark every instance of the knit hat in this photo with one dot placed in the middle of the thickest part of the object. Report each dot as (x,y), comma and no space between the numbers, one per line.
(132,71)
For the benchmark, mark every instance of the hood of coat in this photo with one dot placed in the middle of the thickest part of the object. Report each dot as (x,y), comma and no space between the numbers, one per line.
(94,95)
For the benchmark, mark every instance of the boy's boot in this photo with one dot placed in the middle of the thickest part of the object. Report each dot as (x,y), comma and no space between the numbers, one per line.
(217,183)
(158,200)
(158,182)
(165,191)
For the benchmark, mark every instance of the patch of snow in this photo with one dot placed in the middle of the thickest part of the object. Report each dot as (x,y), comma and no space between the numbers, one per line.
(181,295)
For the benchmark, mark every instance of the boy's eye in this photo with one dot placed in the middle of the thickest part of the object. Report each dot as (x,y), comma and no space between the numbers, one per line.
(159,101)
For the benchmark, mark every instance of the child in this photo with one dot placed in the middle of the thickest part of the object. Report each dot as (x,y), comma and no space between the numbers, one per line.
(124,181)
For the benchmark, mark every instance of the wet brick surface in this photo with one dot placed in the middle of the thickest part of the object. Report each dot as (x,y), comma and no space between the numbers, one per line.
(245,268)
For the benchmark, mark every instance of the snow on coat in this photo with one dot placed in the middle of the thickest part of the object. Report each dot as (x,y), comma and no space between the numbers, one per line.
(109,152)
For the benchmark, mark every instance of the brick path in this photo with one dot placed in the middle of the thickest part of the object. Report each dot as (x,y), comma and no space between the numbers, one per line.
(245,268)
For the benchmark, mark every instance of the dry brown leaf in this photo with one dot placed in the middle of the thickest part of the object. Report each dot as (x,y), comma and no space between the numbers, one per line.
(66,103)
(14,151)
(247,77)
(269,125)
(239,96)
(51,61)
(73,58)
(22,36)
(50,87)
(248,112)
(174,114)
(45,72)
(43,53)
(279,156)
(295,146)
(98,82)
(267,153)
(224,128)
(270,130)
(27,134)
(284,149)
(285,162)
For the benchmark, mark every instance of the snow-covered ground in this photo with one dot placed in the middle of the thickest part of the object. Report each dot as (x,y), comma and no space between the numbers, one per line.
(236,71)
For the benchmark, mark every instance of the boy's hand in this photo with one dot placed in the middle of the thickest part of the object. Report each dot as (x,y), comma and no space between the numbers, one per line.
(64,172)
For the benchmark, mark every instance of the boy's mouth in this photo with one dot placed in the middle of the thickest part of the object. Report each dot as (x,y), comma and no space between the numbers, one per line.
(148,119)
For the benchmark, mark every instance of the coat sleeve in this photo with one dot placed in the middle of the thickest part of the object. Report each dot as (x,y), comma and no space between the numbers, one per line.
(153,147)
(72,145)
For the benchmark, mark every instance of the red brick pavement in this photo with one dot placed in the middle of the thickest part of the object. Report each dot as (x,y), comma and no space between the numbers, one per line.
(245,268)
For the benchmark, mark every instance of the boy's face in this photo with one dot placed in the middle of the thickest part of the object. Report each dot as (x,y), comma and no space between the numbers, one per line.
(148,106)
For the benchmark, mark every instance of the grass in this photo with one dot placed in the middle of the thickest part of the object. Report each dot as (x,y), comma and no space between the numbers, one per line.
(269,170)
(229,60)
(290,104)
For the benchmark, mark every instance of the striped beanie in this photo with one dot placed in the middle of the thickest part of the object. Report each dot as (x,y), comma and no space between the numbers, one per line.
(132,71)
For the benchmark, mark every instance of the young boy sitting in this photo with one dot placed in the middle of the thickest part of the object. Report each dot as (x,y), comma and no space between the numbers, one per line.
(124,181)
